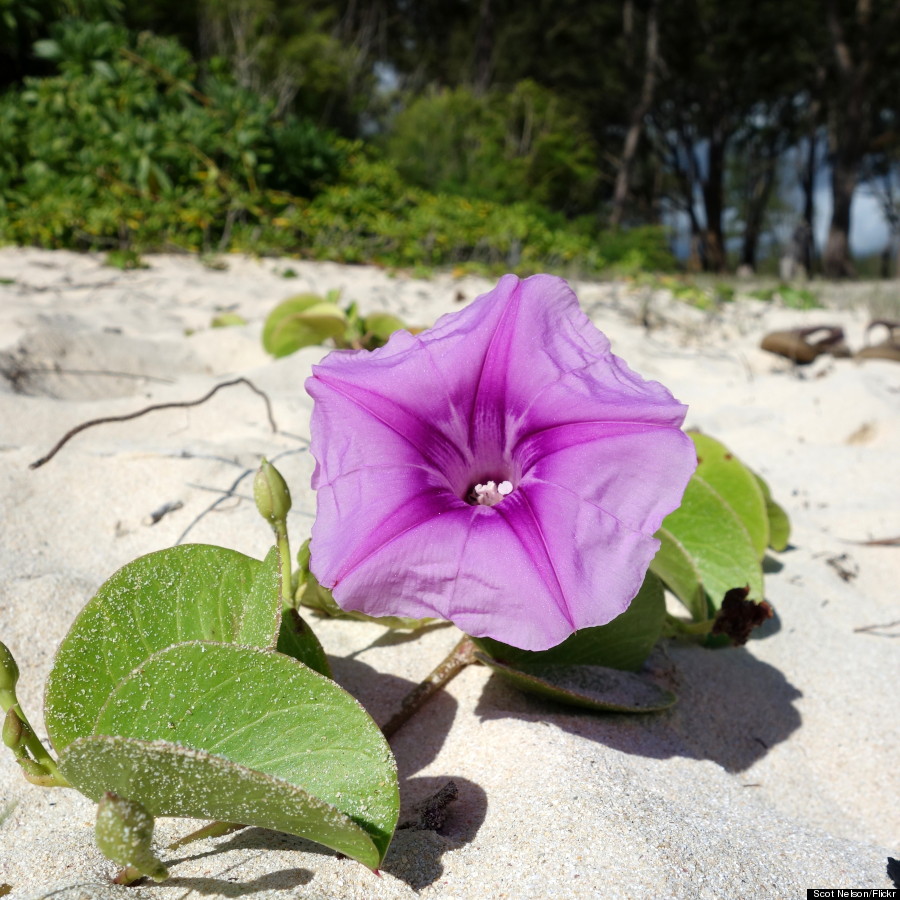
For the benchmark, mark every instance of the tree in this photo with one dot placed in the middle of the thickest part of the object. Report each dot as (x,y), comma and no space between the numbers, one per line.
(863,43)
(639,112)
(723,65)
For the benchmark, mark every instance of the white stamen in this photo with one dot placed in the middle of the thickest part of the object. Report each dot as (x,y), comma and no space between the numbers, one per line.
(491,493)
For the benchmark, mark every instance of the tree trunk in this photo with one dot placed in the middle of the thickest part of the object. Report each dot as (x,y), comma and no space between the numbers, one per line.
(836,261)
(761,189)
(808,184)
(851,125)
(638,114)
(713,190)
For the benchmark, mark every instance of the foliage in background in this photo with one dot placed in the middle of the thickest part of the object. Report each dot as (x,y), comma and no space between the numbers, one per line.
(372,214)
(505,146)
(711,115)
(22,22)
(792,297)
(131,147)
(128,146)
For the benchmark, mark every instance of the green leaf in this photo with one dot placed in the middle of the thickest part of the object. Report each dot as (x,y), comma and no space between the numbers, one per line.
(736,485)
(779,523)
(592,687)
(192,592)
(301,321)
(297,640)
(177,781)
(706,535)
(264,712)
(677,569)
(379,327)
(623,643)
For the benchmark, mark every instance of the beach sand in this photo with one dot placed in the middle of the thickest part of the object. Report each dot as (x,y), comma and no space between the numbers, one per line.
(775,772)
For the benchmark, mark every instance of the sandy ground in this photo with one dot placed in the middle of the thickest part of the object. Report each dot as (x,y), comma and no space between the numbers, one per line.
(777,770)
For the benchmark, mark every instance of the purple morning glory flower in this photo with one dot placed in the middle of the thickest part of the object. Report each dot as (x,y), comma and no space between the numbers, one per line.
(503,470)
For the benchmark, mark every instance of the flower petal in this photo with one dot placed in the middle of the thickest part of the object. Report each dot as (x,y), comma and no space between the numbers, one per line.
(636,473)
(598,561)
(392,431)
(467,565)
(363,509)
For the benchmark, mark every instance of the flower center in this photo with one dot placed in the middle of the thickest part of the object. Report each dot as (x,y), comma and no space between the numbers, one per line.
(490,493)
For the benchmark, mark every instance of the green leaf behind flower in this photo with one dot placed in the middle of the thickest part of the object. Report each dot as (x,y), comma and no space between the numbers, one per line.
(378,327)
(779,523)
(297,640)
(736,485)
(705,536)
(592,687)
(302,321)
(594,667)
(624,643)
(716,540)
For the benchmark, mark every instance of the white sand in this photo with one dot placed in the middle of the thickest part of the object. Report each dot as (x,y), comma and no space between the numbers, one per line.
(777,770)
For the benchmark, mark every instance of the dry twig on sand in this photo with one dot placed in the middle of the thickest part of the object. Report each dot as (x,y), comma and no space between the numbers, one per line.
(175,405)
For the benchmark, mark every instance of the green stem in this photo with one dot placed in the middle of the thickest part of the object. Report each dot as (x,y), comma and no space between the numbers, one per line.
(33,745)
(130,874)
(676,626)
(213,829)
(462,655)
(284,551)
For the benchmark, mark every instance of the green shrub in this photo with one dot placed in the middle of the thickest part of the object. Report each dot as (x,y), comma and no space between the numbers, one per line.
(372,215)
(642,249)
(505,146)
(129,148)
(127,145)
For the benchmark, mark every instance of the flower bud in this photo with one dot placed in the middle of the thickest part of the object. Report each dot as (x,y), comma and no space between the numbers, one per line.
(13,731)
(124,831)
(9,671)
(273,499)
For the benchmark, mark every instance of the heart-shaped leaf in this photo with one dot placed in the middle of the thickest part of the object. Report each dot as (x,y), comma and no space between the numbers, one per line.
(301,321)
(266,713)
(736,485)
(779,523)
(177,781)
(191,592)
(706,535)
(675,566)
(623,643)
(378,327)
(593,687)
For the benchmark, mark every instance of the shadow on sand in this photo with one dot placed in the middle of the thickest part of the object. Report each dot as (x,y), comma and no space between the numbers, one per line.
(731,709)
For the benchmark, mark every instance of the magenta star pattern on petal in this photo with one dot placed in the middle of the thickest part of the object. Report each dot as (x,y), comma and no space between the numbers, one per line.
(503,470)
